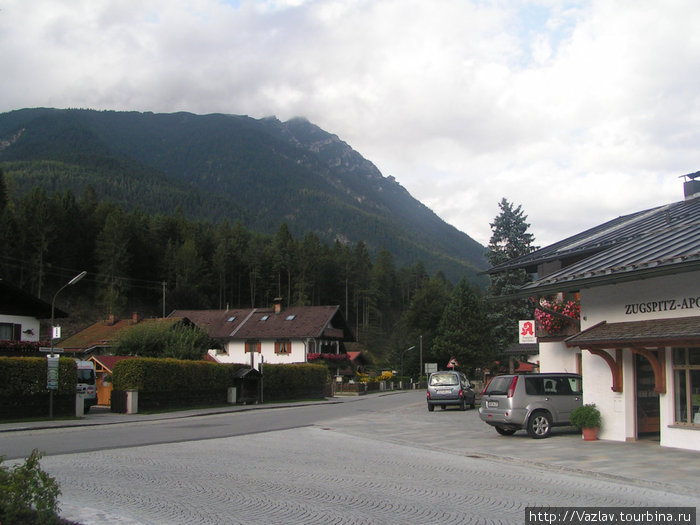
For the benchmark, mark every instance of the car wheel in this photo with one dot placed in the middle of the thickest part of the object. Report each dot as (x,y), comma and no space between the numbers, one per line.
(505,431)
(431,408)
(463,405)
(539,425)
(443,407)
(472,405)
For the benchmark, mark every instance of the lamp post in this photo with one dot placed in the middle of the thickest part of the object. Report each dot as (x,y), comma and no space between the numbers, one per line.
(402,354)
(53,303)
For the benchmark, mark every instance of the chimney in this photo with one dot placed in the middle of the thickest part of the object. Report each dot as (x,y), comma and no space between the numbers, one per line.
(111,320)
(135,318)
(277,301)
(691,187)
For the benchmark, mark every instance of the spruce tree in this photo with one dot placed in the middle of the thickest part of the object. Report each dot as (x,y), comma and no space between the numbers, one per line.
(510,239)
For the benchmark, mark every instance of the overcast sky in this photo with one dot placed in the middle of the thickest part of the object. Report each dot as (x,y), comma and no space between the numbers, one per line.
(578,111)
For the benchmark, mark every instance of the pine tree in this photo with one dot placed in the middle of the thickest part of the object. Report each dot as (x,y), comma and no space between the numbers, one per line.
(465,331)
(510,239)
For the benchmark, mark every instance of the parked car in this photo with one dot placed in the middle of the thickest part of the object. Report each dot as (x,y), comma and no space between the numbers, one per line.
(450,388)
(535,402)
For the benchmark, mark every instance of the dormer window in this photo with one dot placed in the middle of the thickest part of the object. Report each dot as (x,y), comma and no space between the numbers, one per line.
(291,317)
(231,319)
(264,317)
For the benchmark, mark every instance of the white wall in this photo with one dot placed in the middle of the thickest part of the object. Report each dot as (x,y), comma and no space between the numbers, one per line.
(658,298)
(557,357)
(28,323)
(235,353)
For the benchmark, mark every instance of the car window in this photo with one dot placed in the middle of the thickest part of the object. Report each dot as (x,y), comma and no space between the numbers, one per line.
(534,386)
(443,380)
(499,385)
(575,385)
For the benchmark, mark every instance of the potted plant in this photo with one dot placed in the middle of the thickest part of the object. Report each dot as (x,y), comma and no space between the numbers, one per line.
(586,418)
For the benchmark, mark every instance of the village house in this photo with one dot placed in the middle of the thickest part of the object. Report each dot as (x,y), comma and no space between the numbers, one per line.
(251,336)
(636,280)
(20,314)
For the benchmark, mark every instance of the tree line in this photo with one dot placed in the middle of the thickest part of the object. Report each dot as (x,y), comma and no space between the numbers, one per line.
(154,264)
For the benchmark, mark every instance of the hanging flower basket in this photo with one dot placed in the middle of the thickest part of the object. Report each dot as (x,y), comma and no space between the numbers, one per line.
(550,324)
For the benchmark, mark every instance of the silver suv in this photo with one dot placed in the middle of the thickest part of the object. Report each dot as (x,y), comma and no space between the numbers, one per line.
(450,388)
(535,402)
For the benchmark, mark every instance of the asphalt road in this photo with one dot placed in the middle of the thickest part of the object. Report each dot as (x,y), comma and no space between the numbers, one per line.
(376,459)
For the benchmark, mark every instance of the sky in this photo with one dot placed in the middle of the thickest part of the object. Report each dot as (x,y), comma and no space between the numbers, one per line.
(577,111)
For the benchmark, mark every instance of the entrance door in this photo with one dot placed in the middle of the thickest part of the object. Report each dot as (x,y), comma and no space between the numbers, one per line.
(648,421)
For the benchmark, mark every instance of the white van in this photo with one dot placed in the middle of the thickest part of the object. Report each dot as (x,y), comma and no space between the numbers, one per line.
(87,383)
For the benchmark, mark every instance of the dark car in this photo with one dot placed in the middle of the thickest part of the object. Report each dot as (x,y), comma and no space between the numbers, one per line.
(450,388)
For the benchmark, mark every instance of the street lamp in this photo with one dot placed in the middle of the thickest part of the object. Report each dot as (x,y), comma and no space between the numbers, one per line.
(53,303)
(402,353)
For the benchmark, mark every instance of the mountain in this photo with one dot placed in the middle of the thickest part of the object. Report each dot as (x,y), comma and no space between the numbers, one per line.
(262,172)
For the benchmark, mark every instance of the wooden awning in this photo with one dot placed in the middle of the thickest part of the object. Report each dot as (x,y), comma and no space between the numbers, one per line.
(639,337)
(681,331)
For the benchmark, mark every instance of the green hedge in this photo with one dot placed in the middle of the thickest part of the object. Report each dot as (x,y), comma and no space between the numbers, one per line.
(297,381)
(170,383)
(23,390)
(170,375)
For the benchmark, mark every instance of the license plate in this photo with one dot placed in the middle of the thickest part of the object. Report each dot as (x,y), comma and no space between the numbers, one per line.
(492,404)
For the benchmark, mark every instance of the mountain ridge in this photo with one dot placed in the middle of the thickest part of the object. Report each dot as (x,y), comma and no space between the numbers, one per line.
(262,172)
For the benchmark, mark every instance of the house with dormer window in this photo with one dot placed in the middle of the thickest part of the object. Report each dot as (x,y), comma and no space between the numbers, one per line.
(274,335)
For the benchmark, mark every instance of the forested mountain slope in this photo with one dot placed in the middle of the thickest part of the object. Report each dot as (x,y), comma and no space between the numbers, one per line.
(262,172)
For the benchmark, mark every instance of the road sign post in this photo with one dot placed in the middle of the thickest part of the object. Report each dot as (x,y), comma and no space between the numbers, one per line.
(52,356)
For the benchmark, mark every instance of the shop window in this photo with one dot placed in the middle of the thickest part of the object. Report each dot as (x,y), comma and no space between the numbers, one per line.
(686,379)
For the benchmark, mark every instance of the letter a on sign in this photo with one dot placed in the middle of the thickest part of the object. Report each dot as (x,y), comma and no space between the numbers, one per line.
(526,334)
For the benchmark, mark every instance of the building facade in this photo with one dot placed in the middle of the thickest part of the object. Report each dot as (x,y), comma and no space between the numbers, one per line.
(636,341)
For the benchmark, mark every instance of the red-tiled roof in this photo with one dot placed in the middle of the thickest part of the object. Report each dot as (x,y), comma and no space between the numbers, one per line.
(108,361)
(103,333)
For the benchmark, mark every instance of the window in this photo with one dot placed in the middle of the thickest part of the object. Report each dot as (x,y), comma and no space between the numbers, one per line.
(10,332)
(686,386)
(264,317)
(291,317)
(283,347)
(231,319)
(252,346)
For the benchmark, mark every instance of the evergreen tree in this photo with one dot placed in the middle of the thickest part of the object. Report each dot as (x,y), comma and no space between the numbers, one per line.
(510,239)
(283,254)
(113,256)
(465,331)
(3,192)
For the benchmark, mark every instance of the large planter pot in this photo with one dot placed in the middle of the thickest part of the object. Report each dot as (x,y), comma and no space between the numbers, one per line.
(590,434)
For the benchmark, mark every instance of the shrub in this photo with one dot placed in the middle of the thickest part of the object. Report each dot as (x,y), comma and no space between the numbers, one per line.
(23,390)
(294,381)
(28,495)
(586,416)
(149,339)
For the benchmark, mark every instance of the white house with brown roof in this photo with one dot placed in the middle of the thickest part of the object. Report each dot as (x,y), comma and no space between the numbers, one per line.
(20,313)
(272,335)
(636,280)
